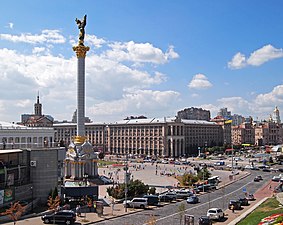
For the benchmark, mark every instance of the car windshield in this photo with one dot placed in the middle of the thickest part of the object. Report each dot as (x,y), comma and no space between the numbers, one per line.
(211,211)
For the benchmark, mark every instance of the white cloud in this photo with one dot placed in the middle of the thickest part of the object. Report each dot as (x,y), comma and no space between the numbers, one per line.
(257,58)
(238,61)
(199,81)
(139,52)
(139,102)
(11,25)
(37,50)
(94,41)
(46,36)
(110,85)
(275,97)
(265,54)
(236,104)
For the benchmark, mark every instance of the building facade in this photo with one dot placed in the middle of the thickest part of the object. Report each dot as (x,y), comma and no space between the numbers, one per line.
(163,137)
(243,134)
(194,114)
(18,136)
(37,119)
(268,133)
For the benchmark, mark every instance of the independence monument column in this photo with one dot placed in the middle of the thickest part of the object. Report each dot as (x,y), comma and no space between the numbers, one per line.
(81,50)
(81,160)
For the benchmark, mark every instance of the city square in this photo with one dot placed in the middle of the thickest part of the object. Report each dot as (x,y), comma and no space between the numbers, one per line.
(160,133)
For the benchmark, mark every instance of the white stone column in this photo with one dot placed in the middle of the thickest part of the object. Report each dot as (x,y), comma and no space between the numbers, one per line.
(81,54)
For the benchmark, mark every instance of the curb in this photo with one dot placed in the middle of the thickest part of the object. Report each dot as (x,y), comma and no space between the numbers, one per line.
(231,182)
(112,217)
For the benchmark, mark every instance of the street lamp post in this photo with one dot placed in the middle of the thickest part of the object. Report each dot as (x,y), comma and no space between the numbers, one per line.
(232,160)
(31,188)
(203,179)
(126,180)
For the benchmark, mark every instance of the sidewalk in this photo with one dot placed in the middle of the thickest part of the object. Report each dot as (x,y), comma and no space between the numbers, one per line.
(108,213)
(260,196)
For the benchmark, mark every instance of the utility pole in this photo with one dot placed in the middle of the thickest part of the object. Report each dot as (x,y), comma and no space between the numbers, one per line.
(232,161)
(126,180)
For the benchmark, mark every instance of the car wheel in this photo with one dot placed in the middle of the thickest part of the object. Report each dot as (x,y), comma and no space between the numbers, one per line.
(219,218)
(142,206)
(46,221)
(127,205)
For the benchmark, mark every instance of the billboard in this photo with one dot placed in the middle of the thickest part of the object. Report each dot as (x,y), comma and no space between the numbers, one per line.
(1,197)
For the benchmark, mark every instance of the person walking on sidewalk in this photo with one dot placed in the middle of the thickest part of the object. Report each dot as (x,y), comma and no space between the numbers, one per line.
(233,208)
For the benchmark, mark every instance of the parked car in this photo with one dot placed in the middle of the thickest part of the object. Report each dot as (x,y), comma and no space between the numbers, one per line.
(152,199)
(250,197)
(215,213)
(204,220)
(244,201)
(183,194)
(106,180)
(236,204)
(193,199)
(276,178)
(136,203)
(63,216)
(167,197)
(259,177)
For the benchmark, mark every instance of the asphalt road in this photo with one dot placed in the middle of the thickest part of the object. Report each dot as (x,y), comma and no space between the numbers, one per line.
(170,215)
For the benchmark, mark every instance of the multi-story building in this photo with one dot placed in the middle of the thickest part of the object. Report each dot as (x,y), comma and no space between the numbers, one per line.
(18,136)
(237,120)
(165,137)
(243,134)
(269,133)
(276,115)
(194,114)
(223,112)
(37,119)
(226,126)
(95,132)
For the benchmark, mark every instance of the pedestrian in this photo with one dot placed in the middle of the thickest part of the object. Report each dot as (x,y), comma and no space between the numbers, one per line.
(78,210)
(233,208)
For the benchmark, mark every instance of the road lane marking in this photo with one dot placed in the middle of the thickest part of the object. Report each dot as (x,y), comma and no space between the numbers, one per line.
(199,205)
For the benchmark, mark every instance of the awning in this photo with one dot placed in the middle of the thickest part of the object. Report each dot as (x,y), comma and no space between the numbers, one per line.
(80,191)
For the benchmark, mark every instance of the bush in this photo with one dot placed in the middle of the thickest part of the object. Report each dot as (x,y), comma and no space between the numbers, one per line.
(135,188)
(152,191)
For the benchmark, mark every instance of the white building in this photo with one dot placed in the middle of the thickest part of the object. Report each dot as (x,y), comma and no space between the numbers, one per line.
(19,136)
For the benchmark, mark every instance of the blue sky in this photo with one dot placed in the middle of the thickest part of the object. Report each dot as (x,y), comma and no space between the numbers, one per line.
(149,58)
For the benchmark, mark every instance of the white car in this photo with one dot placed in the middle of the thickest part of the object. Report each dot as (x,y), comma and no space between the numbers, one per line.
(136,203)
(215,213)
(276,178)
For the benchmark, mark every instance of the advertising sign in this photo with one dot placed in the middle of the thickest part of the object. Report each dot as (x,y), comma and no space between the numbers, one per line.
(1,197)
(8,195)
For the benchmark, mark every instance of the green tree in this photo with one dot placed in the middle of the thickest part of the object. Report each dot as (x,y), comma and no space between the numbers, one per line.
(181,210)
(152,191)
(135,188)
(203,174)
(188,179)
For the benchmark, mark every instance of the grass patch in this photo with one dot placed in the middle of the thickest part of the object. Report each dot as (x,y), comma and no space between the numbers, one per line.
(102,163)
(267,208)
